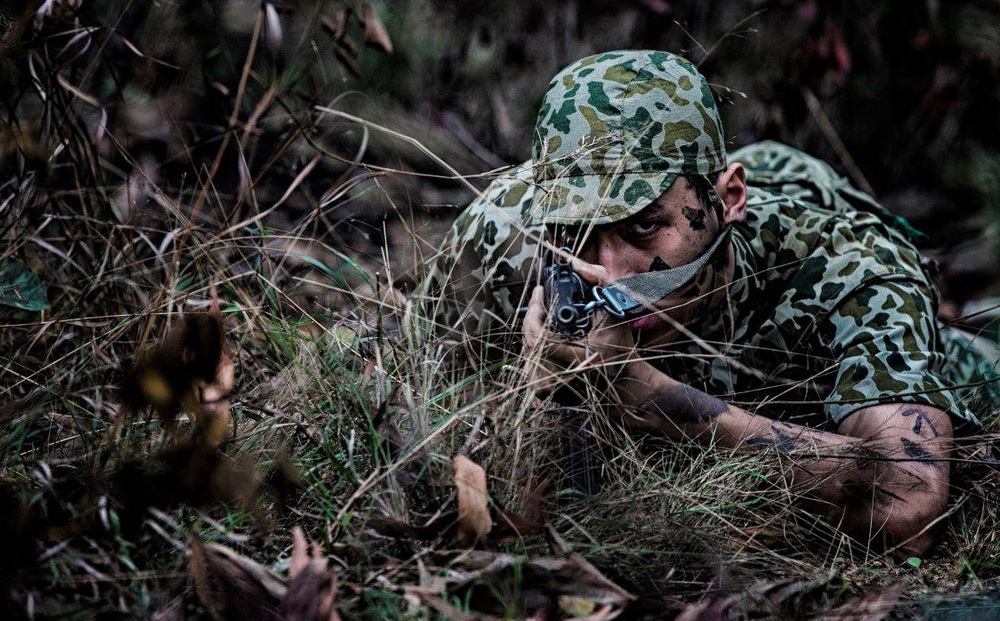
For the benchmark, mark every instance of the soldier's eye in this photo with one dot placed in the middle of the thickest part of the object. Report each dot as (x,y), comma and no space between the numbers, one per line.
(642,229)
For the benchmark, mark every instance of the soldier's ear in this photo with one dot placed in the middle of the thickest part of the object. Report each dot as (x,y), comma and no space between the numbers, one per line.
(732,188)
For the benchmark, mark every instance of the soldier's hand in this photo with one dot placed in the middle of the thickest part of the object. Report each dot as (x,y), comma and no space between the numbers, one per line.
(548,359)
(551,361)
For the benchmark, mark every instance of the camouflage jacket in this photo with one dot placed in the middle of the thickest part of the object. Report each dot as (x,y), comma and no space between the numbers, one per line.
(831,308)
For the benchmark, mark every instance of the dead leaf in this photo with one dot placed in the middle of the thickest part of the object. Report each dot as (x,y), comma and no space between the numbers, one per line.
(312,587)
(871,607)
(187,474)
(231,586)
(474,521)
(334,26)
(300,553)
(193,369)
(214,423)
(375,33)
(387,526)
(572,580)
(714,609)
(576,606)
(532,518)
(217,385)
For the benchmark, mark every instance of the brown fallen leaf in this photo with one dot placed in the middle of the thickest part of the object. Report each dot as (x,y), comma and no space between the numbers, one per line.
(231,586)
(442,525)
(474,522)
(571,584)
(213,423)
(192,370)
(375,33)
(312,587)
(187,474)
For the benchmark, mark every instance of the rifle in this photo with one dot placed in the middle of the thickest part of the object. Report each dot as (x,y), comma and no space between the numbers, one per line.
(572,304)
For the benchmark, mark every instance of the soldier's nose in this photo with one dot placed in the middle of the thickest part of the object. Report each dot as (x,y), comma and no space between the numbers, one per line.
(612,262)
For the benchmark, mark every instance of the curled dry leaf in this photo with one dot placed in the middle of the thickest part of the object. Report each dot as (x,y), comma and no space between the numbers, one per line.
(300,553)
(232,586)
(474,521)
(222,380)
(375,33)
(569,584)
(312,587)
(214,423)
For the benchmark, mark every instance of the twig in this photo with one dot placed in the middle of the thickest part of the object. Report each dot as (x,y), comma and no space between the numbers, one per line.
(232,117)
(826,127)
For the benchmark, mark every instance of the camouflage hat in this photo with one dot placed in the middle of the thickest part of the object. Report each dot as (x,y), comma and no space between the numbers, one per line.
(615,130)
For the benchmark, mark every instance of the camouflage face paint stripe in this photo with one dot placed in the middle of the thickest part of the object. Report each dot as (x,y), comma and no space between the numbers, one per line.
(651,287)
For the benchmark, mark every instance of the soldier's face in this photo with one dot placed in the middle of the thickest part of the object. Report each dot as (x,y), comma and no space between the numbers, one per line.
(672,231)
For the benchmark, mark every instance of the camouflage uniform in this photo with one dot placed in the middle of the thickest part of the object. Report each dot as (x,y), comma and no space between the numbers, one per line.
(831,308)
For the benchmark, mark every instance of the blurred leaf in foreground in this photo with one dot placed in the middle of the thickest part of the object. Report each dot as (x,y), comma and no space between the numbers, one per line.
(20,287)
(192,370)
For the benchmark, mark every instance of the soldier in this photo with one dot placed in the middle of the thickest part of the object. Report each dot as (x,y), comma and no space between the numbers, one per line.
(786,310)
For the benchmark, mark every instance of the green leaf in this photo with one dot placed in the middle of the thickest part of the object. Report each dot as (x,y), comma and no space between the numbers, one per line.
(914,561)
(20,287)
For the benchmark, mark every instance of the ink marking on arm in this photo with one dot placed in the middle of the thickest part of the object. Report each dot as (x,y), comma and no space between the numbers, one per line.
(779,441)
(884,492)
(784,442)
(686,404)
(919,420)
(914,450)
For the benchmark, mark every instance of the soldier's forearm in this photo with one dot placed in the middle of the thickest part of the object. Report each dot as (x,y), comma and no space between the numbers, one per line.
(680,410)
(886,483)
(840,472)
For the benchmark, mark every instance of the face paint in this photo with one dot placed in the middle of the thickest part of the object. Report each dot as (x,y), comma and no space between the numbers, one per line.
(658,265)
(695,217)
(651,287)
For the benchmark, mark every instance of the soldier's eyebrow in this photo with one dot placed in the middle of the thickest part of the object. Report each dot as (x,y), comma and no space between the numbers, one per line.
(652,210)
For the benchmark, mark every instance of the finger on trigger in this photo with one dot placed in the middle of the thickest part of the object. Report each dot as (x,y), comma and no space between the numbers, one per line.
(596,274)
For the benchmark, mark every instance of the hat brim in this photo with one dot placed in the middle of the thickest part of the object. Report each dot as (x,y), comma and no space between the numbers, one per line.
(596,199)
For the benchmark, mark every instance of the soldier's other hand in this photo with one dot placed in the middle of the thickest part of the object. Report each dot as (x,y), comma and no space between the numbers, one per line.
(551,360)
(546,356)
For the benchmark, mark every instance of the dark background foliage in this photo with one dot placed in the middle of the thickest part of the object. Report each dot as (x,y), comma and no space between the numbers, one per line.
(899,96)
